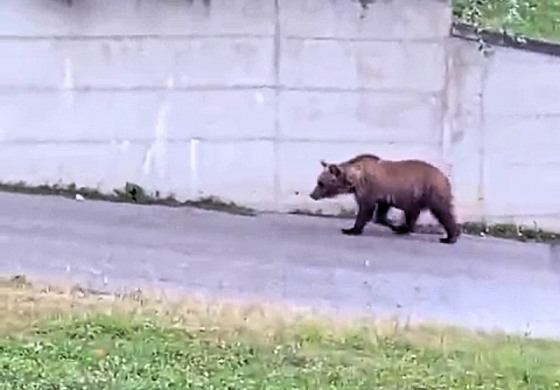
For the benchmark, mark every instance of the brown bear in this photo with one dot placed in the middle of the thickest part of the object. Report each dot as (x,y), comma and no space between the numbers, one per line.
(409,185)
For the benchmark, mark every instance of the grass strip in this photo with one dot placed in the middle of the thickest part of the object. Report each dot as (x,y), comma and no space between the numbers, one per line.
(538,19)
(54,338)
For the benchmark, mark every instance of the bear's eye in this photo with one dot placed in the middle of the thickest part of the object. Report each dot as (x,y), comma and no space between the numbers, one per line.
(320,184)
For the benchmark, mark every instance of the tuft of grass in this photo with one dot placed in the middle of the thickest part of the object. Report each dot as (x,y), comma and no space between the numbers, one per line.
(130,193)
(342,214)
(56,338)
(539,19)
(511,231)
(216,204)
(499,230)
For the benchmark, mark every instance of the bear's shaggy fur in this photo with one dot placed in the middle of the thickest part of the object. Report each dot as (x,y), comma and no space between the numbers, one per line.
(409,185)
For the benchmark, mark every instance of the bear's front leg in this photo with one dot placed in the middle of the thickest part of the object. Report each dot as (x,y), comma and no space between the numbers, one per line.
(365,214)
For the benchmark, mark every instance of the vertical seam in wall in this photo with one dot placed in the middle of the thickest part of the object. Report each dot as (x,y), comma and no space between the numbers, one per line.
(276,138)
(446,108)
(445,125)
(481,195)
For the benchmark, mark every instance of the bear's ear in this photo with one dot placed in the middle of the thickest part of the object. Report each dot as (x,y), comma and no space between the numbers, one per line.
(324,164)
(334,170)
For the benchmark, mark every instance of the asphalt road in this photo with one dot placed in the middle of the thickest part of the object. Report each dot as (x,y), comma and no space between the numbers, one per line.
(305,261)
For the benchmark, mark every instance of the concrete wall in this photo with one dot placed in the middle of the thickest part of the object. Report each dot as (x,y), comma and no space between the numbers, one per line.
(504,133)
(241,99)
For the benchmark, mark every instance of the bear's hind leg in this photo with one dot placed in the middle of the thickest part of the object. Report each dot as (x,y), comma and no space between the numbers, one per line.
(443,212)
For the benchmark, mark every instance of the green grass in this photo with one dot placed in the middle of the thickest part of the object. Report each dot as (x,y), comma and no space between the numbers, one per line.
(75,340)
(531,18)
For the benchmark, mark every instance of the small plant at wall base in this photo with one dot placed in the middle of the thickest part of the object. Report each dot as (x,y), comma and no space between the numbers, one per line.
(531,18)
(510,231)
(499,230)
(130,193)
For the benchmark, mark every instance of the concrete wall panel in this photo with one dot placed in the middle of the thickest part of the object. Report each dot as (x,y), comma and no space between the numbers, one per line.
(242,172)
(121,64)
(393,65)
(101,166)
(35,18)
(106,116)
(527,140)
(344,116)
(522,84)
(384,20)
